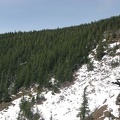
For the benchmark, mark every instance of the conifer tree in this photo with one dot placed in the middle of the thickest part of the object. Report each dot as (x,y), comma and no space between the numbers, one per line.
(84,109)
(6,95)
(25,107)
(0,96)
(100,51)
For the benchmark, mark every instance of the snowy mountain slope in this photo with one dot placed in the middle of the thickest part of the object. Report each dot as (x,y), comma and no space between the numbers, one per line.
(66,104)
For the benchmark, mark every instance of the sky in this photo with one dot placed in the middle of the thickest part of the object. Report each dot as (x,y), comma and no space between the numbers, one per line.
(28,15)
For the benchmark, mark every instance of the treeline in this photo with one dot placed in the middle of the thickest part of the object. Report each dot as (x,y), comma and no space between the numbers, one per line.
(37,56)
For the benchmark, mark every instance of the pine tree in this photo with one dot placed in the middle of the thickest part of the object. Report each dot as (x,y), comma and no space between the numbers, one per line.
(25,107)
(6,95)
(84,109)
(100,51)
(0,96)
(118,103)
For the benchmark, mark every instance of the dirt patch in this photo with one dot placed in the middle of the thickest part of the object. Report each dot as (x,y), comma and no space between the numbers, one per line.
(99,113)
(4,105)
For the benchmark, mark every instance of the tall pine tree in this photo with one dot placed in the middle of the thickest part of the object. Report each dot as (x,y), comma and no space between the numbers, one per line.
(84,109)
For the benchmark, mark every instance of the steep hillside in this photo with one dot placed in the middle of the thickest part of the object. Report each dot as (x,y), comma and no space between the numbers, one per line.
(29,58)
(65,104)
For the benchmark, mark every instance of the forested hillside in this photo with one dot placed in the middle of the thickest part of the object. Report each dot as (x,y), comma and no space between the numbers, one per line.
(33,57)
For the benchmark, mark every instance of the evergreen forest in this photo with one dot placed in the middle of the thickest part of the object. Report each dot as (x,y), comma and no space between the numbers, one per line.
(28,58)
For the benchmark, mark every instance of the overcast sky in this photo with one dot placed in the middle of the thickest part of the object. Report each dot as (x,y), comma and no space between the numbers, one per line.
(27,15)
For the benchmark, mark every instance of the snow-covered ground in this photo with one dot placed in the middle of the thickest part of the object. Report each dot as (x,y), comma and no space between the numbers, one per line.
(65,105)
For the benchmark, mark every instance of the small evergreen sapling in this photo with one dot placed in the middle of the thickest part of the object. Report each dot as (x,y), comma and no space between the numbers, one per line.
(84,109)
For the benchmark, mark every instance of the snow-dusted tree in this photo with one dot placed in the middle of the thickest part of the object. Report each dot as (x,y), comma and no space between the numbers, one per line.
(25,108)
(84,109)
(118,103)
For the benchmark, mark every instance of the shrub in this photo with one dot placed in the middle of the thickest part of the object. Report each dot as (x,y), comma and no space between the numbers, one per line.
(115,63)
